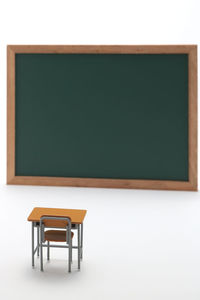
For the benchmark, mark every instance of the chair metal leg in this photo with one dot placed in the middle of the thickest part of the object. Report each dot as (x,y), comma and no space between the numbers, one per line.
(71,252)
(38,240)
(79,248)
(41,252)
(48,250)
(32,244)
(69,255)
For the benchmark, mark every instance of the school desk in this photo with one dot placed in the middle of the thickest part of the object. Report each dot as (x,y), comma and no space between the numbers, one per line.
(77,217)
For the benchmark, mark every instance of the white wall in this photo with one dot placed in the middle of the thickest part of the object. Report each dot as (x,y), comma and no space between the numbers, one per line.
(156,252)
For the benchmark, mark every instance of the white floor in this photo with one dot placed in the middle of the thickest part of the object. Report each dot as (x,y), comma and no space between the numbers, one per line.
(138,245)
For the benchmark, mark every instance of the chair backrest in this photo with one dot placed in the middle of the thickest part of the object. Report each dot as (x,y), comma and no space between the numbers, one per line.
(57,222)
(54,222)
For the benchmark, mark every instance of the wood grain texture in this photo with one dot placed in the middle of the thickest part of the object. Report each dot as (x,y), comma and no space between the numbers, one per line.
(192,115)
(191,50)
(123,49)
(103,183)
(10,114)
(76,215)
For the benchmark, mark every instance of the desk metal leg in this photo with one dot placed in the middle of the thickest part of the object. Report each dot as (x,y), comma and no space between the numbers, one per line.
(82,241)
(38,240)
(32,244)
(79,248)
(48,243)
(41,253)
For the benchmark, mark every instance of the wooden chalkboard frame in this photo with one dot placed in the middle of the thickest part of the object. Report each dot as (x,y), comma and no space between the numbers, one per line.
(191,50)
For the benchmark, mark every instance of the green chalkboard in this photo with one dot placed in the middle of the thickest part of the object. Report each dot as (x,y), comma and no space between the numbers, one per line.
(102,116)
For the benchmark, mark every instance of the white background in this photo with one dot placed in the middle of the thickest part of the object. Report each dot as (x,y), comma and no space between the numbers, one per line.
(138,244)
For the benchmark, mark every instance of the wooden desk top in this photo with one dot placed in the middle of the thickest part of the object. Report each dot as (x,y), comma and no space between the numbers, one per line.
(77,215)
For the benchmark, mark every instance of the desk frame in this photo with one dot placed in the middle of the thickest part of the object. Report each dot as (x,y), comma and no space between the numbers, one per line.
(191,184)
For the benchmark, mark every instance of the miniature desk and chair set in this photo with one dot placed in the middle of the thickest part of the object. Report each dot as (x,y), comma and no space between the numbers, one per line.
(63,221)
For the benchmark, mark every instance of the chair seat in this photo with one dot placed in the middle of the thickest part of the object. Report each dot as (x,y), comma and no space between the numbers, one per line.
(56,235)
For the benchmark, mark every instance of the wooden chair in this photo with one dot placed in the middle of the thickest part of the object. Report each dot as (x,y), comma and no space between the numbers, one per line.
(55,236)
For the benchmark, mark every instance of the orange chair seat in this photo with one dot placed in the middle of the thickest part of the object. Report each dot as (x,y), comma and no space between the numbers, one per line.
(56,235)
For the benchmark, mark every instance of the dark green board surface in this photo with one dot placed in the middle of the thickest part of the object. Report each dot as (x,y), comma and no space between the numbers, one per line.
(102,115)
